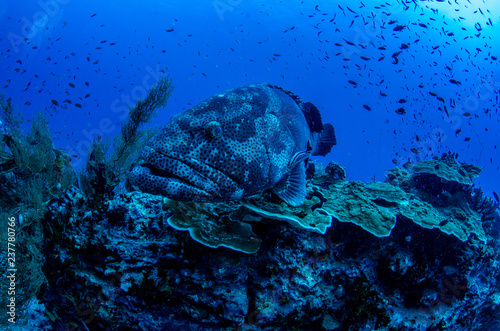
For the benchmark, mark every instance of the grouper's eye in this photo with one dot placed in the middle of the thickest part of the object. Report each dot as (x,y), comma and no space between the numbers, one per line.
(214,130)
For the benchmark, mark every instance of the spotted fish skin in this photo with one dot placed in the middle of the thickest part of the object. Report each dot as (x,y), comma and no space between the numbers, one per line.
(233,145)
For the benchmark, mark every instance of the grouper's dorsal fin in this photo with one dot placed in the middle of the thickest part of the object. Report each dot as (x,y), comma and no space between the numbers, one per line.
(313,117)
(311,112)
(292,95)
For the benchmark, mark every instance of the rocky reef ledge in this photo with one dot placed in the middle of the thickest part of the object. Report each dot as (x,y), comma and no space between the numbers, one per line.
(418,251)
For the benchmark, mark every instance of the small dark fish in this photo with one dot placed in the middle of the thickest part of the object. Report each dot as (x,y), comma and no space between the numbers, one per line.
(71,85)
(467,139)
(402,101)
(93,15)
(399,28)
(365,58)
(352,82)
(423,25)
(456,82)
(440,99)
(395,59)
(401,111)
(496,197)
(443,223)
(433,94)
(367,107)
(54,102)
(458,131)
(414,150)
(404,46)
(87,83)
(169,30)
(77,105)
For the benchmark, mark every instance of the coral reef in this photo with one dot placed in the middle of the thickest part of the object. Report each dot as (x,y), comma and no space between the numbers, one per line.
(38,185)
(204,227)
(447,169)
(132,137)
(102,172)
(130,267)
(484,206)
(375,207)
(32,174)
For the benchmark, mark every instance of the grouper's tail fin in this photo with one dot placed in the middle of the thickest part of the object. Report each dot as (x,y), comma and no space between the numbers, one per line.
(325,131)
(327,140)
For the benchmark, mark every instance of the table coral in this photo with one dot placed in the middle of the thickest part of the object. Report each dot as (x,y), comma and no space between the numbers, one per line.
(213,226)
(351,202)
(375,207)
(447,168)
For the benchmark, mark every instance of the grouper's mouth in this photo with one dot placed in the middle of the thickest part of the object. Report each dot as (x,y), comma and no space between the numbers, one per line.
(184,179)
(166,174)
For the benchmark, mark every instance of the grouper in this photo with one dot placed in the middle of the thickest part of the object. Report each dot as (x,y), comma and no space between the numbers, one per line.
(233,145)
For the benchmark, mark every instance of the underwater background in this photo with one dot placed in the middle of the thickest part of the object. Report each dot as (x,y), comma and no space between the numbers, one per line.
(401,81)
(114,52)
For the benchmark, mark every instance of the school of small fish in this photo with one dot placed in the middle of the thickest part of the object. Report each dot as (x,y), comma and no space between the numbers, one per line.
(445,71)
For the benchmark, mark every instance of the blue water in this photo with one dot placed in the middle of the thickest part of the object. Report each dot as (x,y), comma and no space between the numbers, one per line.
(113,51)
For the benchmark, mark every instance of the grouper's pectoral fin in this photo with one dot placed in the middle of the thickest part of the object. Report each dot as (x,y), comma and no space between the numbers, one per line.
(292,187)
